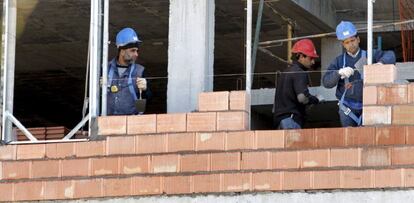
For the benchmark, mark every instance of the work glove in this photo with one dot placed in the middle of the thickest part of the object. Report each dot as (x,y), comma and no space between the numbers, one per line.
(346,72)
(320,97)
(142,83)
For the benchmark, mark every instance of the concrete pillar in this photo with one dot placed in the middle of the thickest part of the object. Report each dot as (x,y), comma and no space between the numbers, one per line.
(190,53)
(330,49)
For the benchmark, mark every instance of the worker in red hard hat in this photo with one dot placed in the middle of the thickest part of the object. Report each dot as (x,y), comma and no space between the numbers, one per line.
(292,93)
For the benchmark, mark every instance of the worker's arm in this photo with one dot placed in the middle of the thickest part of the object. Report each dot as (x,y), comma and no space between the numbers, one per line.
(331,77)
(384,57)
(302,91)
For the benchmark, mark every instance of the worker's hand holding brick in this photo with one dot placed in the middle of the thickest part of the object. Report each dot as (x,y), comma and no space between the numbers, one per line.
(142,83)
(346,72)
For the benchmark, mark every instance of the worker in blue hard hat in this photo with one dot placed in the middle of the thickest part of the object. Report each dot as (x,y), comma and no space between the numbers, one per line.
(126,79)
(345,72)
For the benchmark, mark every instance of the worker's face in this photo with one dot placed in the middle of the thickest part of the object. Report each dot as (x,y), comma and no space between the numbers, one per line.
(307,61)
(130,55)
(351,44)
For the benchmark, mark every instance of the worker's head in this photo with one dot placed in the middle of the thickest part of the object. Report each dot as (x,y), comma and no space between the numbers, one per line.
(347,33)
(127,42)
(304,52)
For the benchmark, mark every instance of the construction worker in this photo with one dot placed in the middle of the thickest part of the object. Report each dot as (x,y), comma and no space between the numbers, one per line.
(126,78)
(345,72)
(292,93)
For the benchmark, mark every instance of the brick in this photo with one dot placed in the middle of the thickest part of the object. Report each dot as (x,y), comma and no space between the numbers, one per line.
(165,164)
(104,166)
(6,192)
(28,191)
(285,160)
(402,156)
(236,182)
(345,157)
(300,138)
(8,152)
(389,178)
(267,181)
(134,165)
(181,142)
(393,94)
(296,180)
(370,95)
(31,151)
(255,160)
(88,188)
(409,177)
(232,120)
(112,125)
(356,179)
(326,179)
(206,183)
(151,144)
(210,141)
(195,162)
(120,145)
(410,135)
(170,123)
(360,136)
(379,74)
(16,170)
(239,100)
(213,101)
(149,185)
(75,167)
(314,158)
(117,187)
(141,124)
(375,157)
(86,149)
(58,190)
(45,169)
(330,137)
(225,161)
(402,115)
(390,135)
(410,90)
(199,122)
(177,185)
(60,150)
(267,139)
(376,115)
(240,140)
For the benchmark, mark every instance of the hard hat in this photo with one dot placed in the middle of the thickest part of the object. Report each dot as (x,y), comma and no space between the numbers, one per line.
(126,36)
(306,47)
(345,30)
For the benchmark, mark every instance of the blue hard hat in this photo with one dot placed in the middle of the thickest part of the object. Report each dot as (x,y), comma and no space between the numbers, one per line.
(345,30)
(126,36)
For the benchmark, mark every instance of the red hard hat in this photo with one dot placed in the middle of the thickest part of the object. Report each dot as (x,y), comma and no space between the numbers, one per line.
(305,46)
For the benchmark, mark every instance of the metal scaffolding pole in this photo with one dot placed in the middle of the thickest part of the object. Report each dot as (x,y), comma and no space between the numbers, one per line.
(257,34)
(105,57)
(369,37)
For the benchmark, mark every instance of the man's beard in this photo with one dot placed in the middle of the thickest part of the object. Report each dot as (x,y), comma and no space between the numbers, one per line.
(129,59)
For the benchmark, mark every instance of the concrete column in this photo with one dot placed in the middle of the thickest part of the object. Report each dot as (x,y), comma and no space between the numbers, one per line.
(330,49)
(190,53)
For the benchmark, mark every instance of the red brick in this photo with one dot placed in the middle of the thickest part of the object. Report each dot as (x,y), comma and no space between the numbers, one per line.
(392,94)
(402,115)
(199,122)
(60,150)
(149,185)
(236,182)
(300,138)
(120,145)
(104,166)
(88,188)
(210,141)
(389,178)
(370,95)
(28,191)
(213,101)
(195,162)
(410,135)
(58,190)
(314,158)
(170,123)
(31,151)
(255,160)
(117,187)
(402,156)
(75,167)
(390,135)
(8,152)
(345,157)
(285,160)
(356,179)
(267,139)
(177,184)
(409,177)
(225,161)
(330,137)
(165,163)
(232,120)
(16,170)
(6,192)
(379,74)
(267,181)
(376,115)
(375,157)
(240,140)
(86,149)
(141,124)
(45,169)
(180,142)
(239,100)
(133,165)
(296,180)
(206,183)
(148,144)
(112,125)
(326,179)
(410,90)
(360,136)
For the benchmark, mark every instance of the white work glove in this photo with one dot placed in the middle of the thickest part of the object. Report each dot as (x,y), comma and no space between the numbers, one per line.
(346,72)
(320,97)
(142,83)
